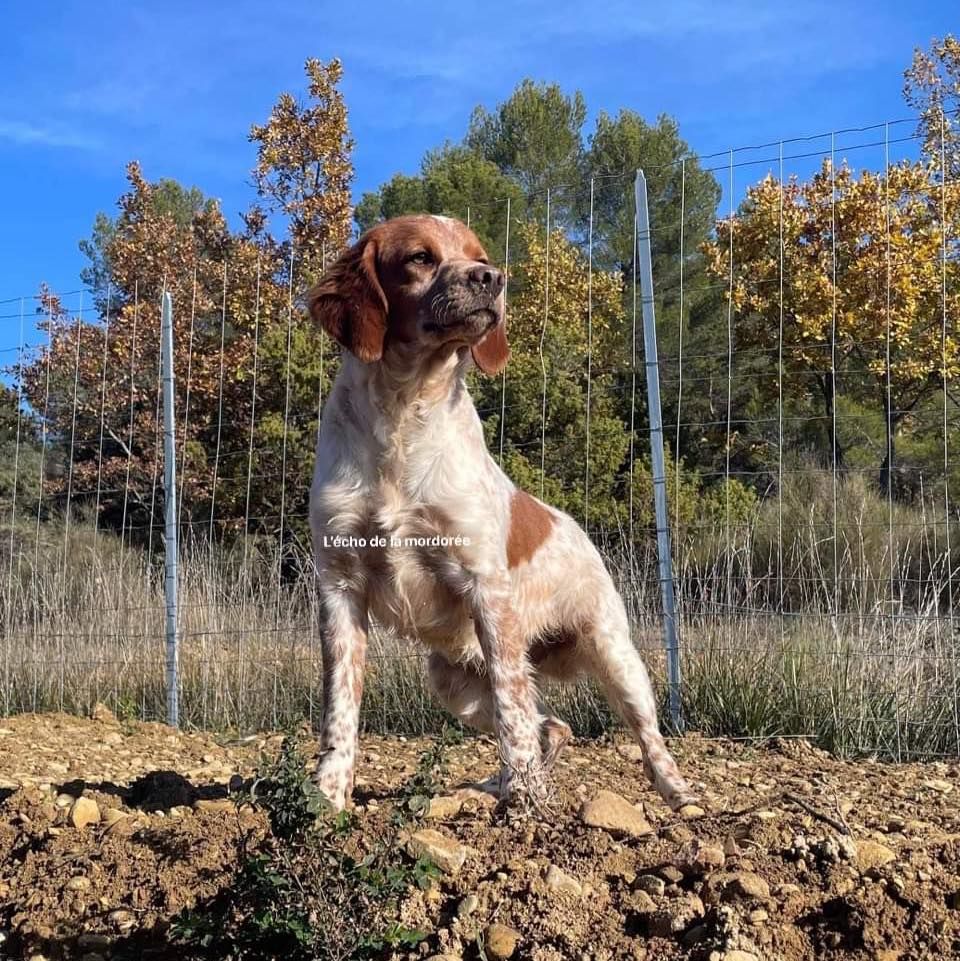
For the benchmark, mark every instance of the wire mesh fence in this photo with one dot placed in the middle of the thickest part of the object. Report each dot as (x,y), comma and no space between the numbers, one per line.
(808,354)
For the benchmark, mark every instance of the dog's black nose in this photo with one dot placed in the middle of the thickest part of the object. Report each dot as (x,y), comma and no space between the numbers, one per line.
(487,277)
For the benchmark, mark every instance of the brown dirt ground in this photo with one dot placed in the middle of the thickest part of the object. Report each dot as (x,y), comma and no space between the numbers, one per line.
(109,891)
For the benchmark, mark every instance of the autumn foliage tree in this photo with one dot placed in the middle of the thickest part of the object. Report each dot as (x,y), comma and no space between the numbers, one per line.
(544,409)
(858,272)
(250,367)
(932,87)
(98,384)
(304,168)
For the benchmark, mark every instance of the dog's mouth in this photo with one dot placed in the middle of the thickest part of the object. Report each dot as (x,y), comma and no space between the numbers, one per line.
(474,322)
(488,317)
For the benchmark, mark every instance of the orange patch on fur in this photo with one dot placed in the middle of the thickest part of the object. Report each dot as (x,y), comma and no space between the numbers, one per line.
(530,525)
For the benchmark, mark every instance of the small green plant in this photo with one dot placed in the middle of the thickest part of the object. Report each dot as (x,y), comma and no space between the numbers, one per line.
(316,886)
(127,710)
(290,797)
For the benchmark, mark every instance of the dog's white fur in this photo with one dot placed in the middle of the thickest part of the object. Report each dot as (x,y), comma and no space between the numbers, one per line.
(401,457)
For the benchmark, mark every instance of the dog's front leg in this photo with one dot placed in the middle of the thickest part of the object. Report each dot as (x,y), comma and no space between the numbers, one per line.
(343,639)
(516,715)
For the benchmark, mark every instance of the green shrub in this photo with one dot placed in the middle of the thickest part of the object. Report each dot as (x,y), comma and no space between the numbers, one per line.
(316,886)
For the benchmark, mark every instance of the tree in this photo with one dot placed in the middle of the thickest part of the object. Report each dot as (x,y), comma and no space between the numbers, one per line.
(682,199)
(250,368)
(932,87)
(96,385)
(244,454)
(863,268)
(453,181)
(20,461)
(304,168)
(169,199)
(568,348)
(535,137)
(96,275)
(618,147)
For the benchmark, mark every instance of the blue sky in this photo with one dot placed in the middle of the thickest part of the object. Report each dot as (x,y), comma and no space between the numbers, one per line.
(87,87)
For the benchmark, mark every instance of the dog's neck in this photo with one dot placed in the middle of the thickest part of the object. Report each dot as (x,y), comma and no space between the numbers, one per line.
(409,377)
(409,402)
(408,385)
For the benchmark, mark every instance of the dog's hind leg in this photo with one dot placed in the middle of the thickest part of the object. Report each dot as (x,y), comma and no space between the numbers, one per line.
(464,690)
(617,665)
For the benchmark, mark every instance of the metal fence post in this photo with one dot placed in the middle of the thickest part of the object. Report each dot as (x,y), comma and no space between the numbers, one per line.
(170,500)
(664,552)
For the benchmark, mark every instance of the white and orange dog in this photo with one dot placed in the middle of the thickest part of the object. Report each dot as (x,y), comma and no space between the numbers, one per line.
(415,524)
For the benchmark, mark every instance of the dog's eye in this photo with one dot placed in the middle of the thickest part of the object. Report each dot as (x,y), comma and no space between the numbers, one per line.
(420,257)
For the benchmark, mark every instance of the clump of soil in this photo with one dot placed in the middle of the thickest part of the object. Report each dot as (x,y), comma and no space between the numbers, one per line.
(795,855)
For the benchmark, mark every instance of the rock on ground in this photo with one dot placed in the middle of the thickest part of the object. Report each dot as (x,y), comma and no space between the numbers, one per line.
(561,882)
(448,855)
(500,942)
(615,814)
(83,812)
(872,854)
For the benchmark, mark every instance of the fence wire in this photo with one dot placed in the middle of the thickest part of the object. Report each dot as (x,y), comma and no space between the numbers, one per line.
(810,465)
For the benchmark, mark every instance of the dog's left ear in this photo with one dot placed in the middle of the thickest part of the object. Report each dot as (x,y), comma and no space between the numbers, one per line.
(492,353)
(350,304)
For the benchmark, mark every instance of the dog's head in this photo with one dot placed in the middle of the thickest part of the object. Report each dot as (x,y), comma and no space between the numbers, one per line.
(418,280)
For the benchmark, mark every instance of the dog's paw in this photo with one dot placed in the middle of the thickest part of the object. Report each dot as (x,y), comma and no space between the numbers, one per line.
(686,804)
(525,793)
(332,781)
(554,736)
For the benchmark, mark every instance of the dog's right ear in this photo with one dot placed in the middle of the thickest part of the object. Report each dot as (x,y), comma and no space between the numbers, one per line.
(350,304)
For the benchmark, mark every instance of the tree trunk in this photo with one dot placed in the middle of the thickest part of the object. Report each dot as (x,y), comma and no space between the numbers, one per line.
(836,448)
(886,465)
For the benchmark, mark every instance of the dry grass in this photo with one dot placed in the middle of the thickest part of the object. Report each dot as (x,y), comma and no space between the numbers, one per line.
(854,646)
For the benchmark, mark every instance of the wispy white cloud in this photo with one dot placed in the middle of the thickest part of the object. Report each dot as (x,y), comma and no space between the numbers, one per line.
(29,134)
(121,95)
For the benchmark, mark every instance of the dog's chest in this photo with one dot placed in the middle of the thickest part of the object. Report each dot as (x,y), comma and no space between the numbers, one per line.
(411,500)
(402,536)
